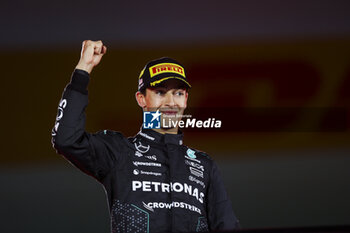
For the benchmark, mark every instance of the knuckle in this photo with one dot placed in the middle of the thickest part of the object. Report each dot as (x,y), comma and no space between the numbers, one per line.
(87,43)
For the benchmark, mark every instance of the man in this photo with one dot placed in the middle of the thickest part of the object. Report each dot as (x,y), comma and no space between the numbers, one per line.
(153,182)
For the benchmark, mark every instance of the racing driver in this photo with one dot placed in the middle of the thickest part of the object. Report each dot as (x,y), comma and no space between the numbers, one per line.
(153,182)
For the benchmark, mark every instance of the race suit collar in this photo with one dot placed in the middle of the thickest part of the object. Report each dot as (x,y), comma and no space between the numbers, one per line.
(162,138)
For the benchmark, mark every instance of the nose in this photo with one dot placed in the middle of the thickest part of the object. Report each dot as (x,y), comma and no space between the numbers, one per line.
(169,100)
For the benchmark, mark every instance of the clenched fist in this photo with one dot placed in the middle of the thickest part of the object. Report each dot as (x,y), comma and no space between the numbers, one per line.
(91,54)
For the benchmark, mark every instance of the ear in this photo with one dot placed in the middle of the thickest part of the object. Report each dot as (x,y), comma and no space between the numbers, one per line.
(140,98)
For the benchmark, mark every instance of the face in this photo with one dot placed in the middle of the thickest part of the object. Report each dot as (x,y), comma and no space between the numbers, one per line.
(170,99)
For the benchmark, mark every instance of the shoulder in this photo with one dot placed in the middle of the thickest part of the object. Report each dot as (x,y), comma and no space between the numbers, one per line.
(115,138)
(198,154)
(111,135)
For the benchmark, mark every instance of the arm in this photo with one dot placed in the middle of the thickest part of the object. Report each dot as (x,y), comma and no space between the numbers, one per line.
(86,151)
(220,213)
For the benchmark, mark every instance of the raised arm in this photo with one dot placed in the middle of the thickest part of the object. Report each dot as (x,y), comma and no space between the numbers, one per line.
(91,55)
(86,151)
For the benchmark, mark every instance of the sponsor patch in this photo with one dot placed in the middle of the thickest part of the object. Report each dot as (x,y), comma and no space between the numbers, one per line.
(193,164)
(190,153)
(146,136)
(164,205)
(166,68)
(152,186)
(151,157)
(148,164)
(194,179)
(196,160)
(136,172)
(141,148)
(196,172)
(61,106)
(138,154)
(140,172)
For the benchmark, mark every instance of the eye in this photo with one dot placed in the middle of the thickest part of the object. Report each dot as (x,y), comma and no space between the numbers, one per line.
(180,93)
(160,92)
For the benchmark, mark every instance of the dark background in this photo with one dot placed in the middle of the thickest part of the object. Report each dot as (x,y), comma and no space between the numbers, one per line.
(238,54)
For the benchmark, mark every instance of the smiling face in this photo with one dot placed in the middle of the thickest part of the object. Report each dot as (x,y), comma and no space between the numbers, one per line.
(170,98)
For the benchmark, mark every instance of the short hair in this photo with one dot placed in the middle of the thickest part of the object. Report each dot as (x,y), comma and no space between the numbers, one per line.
(143,91)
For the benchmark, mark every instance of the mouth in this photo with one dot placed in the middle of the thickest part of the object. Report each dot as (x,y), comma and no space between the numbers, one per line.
(169,112)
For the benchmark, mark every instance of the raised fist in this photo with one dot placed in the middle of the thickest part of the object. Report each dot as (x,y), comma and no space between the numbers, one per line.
(91,54)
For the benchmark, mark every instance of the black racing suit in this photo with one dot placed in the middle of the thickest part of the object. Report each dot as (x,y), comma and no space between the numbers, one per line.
(154,183)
